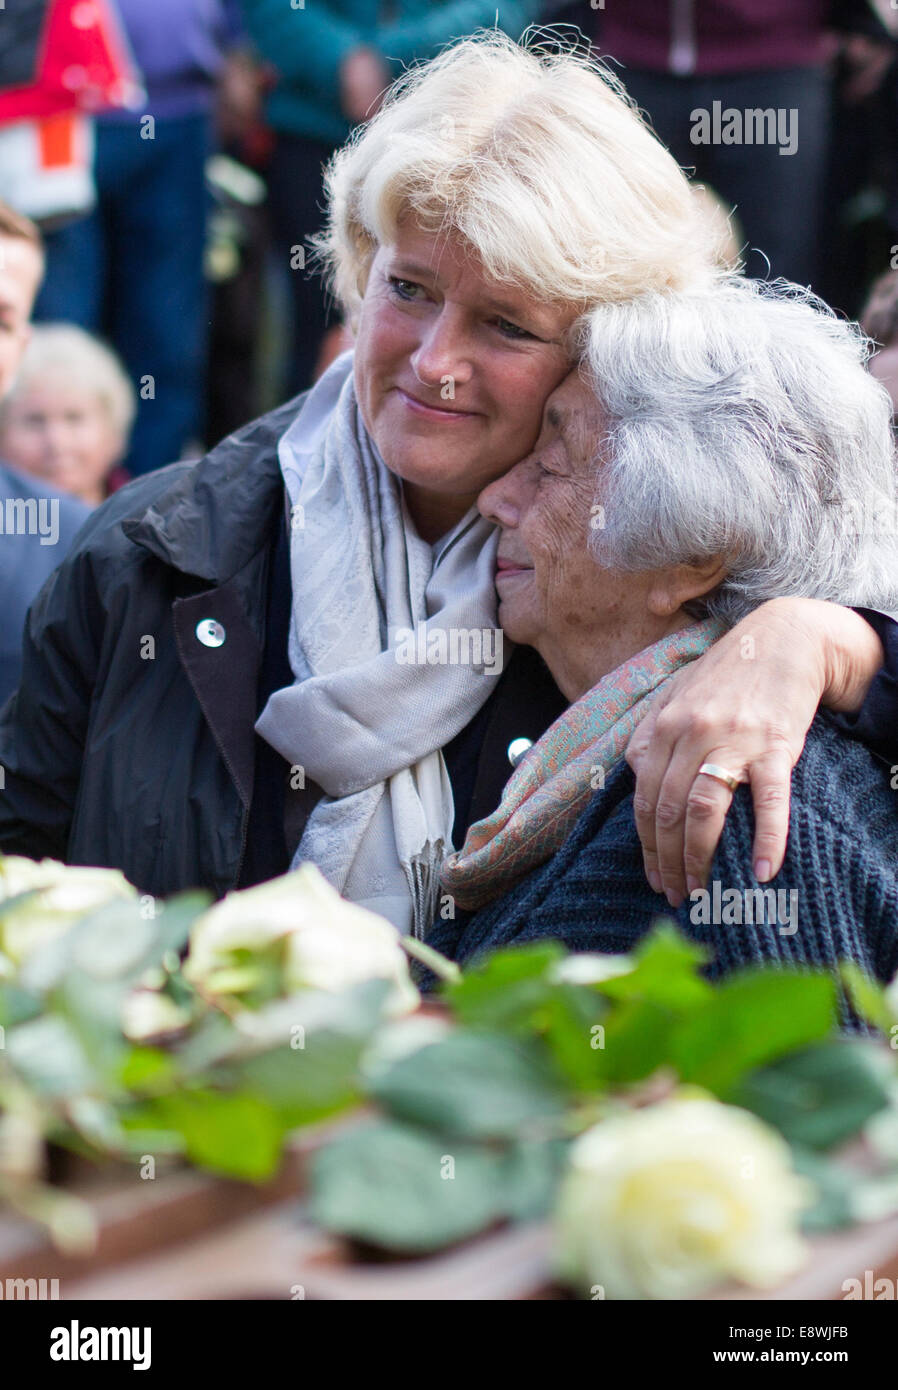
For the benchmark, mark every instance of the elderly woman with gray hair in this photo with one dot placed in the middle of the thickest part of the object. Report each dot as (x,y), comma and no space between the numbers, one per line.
(719,449)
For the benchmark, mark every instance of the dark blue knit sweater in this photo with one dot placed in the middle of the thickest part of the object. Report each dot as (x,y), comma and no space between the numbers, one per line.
(841,860)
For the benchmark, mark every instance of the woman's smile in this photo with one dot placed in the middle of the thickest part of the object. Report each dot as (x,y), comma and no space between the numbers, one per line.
(435,412)
(507,569)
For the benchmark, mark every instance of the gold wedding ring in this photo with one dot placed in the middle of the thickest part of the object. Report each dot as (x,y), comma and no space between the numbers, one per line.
(720,774)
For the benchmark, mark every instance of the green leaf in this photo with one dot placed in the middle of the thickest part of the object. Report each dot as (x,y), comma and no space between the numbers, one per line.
(867,996)
(666,972)
(832,1209)
(96,1121)
(403,1189)
(530,1175)
(238,1135)
(570,1020)
(514,992)
(114,945)
(501,993)
(385,1184)
(823,1095)
(17,1005)
(121,942)
(174,921)
(47,1055)
(636,1041)
(212,1038)
(751,1019)
(476,1084)
(308,1083)
(92,1010)
(148,1069)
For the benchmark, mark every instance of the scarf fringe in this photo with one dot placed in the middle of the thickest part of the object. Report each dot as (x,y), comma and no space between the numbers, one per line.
(424,873)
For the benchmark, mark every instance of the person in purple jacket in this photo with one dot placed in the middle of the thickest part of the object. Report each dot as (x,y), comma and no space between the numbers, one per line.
(133,268)
(740,90)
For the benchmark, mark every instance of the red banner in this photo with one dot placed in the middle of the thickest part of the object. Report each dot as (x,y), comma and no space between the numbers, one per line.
(83,63)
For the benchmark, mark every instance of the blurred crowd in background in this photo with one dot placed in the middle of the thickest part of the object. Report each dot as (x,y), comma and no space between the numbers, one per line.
(171,154)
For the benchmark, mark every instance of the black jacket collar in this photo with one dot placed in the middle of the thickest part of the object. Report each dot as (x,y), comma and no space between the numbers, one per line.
(220,511)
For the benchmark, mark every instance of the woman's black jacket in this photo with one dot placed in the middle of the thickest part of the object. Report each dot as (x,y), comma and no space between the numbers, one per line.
(148,656)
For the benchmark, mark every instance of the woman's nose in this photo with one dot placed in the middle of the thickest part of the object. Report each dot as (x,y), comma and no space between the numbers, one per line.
(444,352)
(56,437)
(497,502)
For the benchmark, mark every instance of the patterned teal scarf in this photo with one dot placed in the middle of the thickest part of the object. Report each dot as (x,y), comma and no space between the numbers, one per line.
(552,784)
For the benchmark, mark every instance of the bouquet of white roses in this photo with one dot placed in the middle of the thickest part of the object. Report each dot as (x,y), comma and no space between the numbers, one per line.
(678,1133)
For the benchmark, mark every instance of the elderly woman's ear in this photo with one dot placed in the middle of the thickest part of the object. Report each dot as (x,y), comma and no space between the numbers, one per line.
(674,588)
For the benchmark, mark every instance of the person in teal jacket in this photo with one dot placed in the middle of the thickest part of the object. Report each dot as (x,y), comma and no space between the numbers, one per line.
(333,61)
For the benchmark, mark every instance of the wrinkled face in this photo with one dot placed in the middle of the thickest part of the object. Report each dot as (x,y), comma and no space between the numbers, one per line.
(60,432)
(452,370)
(553,595)
(20,275)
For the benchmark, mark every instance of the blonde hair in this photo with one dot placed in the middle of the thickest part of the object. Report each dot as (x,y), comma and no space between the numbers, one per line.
(725,229)
(537,158)
(85,361)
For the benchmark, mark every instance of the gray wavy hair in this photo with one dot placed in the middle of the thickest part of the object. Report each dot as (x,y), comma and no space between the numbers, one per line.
(741,422)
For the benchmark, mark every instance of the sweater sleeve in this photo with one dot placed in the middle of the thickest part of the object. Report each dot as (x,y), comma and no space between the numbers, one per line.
(306,46)
(875,724)
(836,896)
(420,37)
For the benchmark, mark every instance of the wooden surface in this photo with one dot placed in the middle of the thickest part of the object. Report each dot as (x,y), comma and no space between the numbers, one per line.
(187,1235)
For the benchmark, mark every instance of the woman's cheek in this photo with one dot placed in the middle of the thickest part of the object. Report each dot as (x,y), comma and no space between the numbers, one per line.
(527,390)
(519,420)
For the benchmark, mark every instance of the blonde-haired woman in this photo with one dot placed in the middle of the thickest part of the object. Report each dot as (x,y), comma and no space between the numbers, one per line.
(68,415)
(286,578)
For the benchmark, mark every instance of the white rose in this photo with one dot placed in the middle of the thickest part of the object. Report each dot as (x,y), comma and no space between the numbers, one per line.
(148,1014)
(665,1201)
(299,926)
(590,968)
(62,896)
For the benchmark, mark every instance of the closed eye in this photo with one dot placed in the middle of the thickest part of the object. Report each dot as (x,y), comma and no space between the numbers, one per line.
(513,330)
